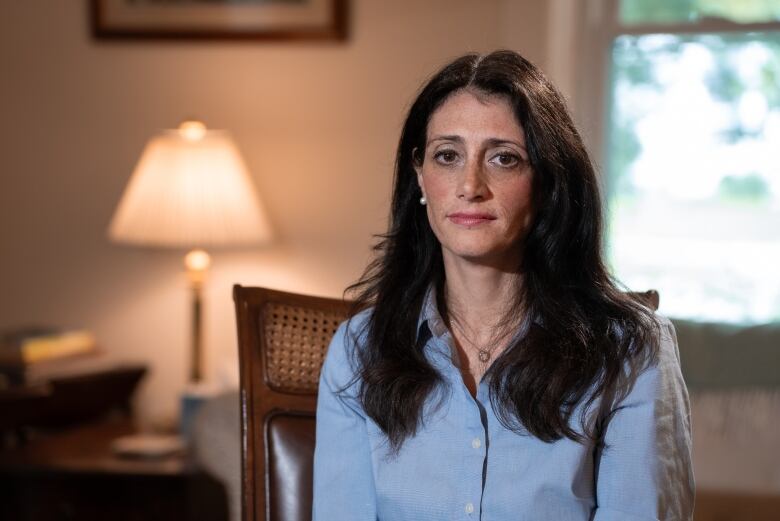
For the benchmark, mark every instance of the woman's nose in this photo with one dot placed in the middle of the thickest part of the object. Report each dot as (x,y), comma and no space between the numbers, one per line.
(472,183)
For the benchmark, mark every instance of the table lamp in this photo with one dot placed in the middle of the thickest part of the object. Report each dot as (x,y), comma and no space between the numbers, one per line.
(191,189)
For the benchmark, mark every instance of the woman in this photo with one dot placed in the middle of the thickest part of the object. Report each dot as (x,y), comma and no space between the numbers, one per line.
(498,373)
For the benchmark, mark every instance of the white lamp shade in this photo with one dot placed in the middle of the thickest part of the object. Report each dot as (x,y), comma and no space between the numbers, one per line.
(189,190)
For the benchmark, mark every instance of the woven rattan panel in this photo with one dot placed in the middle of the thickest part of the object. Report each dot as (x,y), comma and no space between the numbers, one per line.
(296,339)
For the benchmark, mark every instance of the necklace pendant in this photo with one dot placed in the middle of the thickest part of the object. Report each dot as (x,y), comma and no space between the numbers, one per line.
(484,356)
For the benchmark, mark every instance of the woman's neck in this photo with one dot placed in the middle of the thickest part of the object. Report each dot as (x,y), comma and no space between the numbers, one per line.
(478,297)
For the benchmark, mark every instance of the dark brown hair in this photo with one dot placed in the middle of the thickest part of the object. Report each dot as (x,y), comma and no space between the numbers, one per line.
(585,329)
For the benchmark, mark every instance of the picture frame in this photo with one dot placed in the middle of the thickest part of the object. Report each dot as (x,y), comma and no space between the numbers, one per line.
(219,19)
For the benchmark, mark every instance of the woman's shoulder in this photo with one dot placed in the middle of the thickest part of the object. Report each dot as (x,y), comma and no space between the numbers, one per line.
(342,359)
(656,373)
(351,333)
(652,339)
(668,350)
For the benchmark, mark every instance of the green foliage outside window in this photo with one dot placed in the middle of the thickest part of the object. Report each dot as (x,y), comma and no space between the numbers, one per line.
(681,11)
(694,162)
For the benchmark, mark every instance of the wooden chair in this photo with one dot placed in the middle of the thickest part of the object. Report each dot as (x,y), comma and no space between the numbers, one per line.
(650,298)
(282,340)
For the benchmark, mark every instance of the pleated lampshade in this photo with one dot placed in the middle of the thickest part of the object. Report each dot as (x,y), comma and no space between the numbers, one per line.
(190,188)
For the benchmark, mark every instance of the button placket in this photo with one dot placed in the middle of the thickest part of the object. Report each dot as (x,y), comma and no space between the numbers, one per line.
(475,459)
(473,446)
(479,446)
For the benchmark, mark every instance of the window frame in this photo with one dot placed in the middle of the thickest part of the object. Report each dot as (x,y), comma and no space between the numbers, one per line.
(599,28)
(591,59)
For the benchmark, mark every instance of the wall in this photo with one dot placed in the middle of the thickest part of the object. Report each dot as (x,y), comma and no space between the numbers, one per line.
(317,124)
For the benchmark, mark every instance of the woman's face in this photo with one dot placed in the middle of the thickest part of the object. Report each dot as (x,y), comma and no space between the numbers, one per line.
(476,178)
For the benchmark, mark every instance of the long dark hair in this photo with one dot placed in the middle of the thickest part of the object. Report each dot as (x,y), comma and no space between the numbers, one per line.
(584,328)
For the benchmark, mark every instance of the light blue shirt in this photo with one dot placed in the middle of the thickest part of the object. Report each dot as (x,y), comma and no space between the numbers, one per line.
(464,465)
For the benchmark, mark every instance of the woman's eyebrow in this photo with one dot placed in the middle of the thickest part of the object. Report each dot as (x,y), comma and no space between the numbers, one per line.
(453,137)
(499,141)
(494,141)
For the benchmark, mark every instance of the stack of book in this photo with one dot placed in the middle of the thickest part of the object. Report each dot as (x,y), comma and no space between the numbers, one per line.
(33,355)
(51,378)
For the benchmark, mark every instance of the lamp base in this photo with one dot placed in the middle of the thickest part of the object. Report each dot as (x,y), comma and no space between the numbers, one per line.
(192,399)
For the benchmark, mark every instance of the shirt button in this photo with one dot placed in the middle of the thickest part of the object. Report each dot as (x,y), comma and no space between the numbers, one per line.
(469,508)
(476,443)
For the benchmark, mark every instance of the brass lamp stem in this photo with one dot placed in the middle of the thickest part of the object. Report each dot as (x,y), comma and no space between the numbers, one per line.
(197,263)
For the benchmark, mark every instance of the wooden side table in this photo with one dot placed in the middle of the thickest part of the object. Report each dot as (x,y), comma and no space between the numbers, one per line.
(73,475)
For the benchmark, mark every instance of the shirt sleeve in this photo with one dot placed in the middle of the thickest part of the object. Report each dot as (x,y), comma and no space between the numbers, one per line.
(644,472)
(343,475)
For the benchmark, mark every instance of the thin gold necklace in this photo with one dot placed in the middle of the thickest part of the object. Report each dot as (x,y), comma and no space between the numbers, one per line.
(483,354)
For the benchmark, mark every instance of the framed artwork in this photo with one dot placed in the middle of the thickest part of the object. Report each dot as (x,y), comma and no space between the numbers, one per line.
(220,19)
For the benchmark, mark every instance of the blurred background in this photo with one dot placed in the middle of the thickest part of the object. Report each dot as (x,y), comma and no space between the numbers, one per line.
(678,100)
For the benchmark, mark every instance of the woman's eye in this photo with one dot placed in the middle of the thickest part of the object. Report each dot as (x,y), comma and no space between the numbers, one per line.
(446,157)
(507,159)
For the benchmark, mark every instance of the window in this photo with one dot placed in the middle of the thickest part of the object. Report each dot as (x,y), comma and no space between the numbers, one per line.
(693,155)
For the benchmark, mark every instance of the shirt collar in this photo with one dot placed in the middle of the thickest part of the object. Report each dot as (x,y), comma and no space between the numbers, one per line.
(429,315)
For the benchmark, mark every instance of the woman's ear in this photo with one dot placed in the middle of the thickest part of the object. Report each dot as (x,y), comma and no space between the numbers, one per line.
(417,162)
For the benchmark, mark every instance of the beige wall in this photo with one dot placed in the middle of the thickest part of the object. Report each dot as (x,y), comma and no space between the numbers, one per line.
(317,124)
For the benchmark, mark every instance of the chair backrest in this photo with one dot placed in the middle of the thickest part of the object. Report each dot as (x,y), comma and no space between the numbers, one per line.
(650,298)
(282,339)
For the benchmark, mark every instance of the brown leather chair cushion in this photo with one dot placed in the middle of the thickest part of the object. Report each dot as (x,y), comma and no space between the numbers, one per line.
(290,445)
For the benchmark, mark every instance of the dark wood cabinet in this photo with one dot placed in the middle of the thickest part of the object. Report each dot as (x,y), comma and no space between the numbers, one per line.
(73,475)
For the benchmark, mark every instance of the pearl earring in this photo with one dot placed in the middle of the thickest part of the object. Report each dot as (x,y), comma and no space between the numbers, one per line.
(423,201)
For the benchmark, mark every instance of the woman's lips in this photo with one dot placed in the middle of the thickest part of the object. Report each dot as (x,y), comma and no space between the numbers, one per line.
(470,219)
